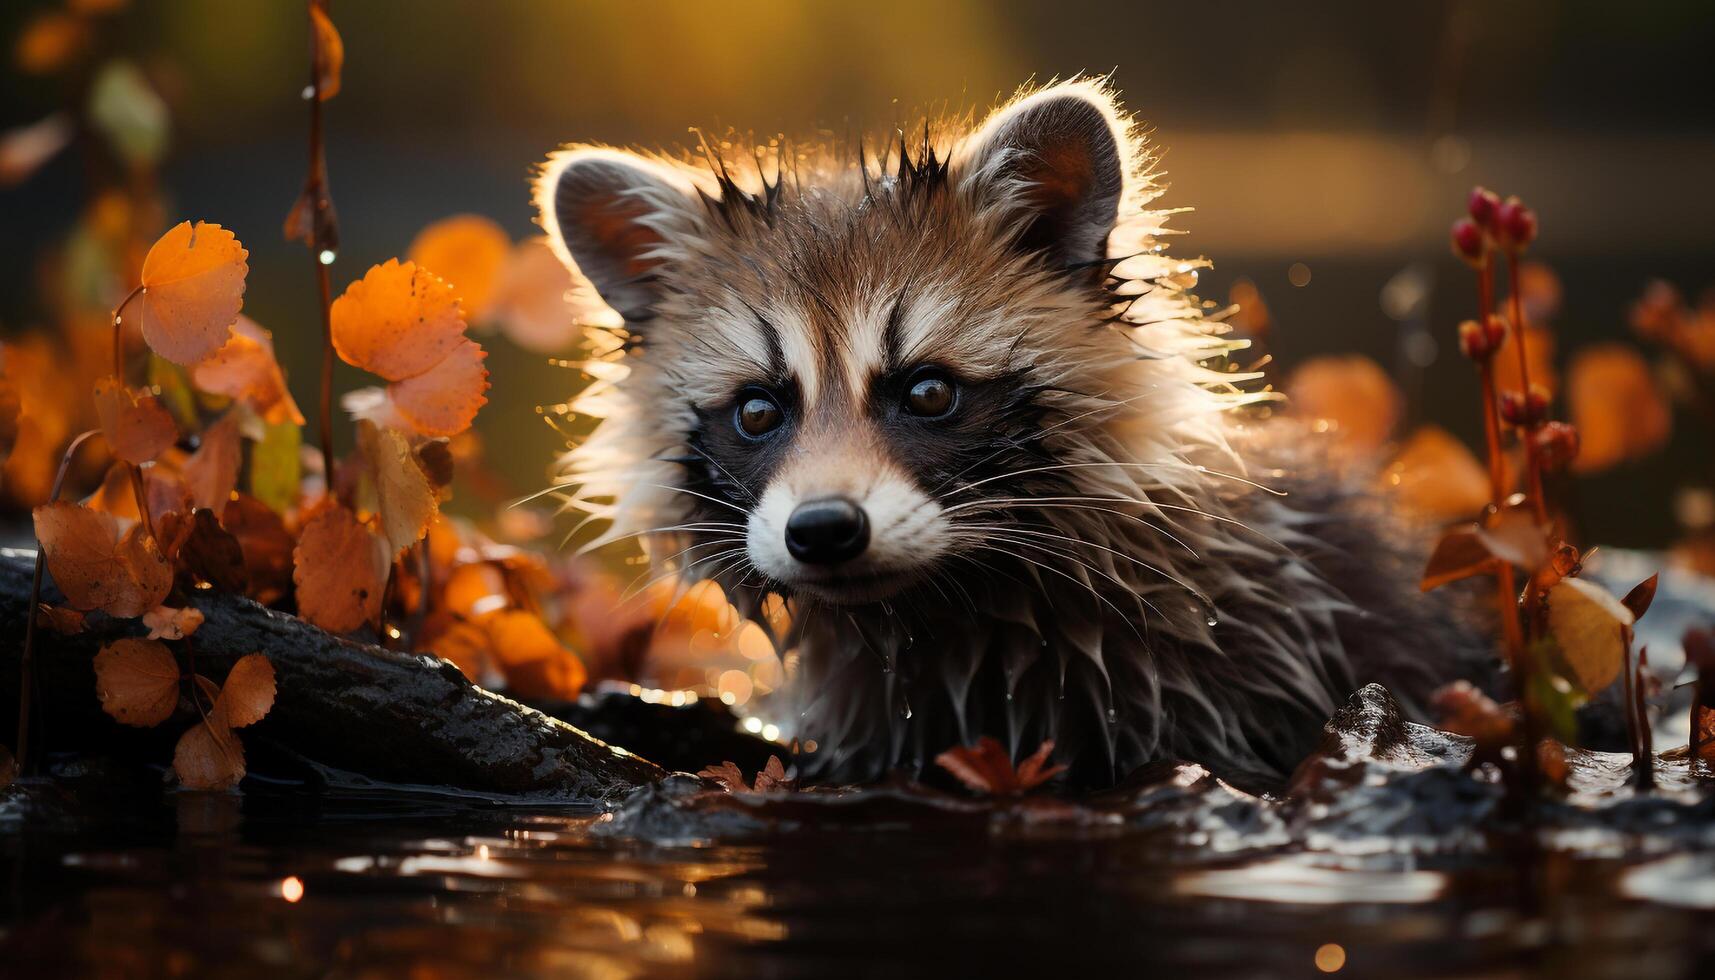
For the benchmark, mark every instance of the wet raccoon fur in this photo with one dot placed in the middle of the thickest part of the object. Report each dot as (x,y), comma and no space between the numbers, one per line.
(954,403)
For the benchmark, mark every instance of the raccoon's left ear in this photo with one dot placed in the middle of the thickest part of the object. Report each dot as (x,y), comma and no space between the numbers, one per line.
(1055,163)
(616,217)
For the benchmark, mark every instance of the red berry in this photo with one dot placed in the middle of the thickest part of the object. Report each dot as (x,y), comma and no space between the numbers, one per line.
(1556,444)
(1482,207)
(1495,326)
(1469,242)
(1515,225)
(1523,412)
(1473,342)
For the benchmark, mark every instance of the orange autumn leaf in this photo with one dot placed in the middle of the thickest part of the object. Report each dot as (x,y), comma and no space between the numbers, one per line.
(340,570)
(167,623)
(48,42)
(248,695)
(398,321)
(404,323)
(193,288)
(97,566)
(1437,476)
(137,681)
(469,252)
(444,401)
(210,553)
(137,428)
(539,305)
(330,52)
(1539,350)
(534,661)
(246,370)
(465,644)
(987,768)
(209,756)
(211,473)
(1350,397)
(1617,407)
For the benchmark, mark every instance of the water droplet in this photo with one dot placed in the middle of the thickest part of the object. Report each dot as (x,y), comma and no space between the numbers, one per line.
(308,93)
(1213,621)
(1113,717)
(326,257)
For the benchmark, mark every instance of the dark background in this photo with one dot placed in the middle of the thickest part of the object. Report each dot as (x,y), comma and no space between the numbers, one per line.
(1338,135)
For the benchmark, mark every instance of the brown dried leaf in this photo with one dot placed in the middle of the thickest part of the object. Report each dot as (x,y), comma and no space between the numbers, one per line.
(66,622)
(330,51)
(211,473)
(209,756)
(729,775)
(249,692)
(266,544)
(1459,554)
(137,428)
(340,570)
(137,681)
(405,500)
(987,768)
(96,566)
(1642,595)
(211,554)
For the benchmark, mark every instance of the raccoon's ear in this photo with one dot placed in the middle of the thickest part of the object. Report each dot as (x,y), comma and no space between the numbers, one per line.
(1055,163)
(615,217)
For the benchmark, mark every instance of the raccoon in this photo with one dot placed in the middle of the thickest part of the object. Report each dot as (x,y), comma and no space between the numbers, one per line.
(954,405)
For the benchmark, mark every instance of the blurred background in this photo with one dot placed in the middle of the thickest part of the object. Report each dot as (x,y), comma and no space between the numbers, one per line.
(1325,149)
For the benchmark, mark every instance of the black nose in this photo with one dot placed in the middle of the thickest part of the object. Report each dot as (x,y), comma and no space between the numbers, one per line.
(827,531)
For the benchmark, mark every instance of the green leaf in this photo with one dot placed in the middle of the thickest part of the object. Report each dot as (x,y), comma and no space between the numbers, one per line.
(1551,697)
(275,467)
(126,110)
(174,390)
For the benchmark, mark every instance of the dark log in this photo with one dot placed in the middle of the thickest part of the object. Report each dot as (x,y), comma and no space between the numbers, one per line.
(394,717)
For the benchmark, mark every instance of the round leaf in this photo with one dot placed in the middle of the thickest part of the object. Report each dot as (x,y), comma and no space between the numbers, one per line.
(137,681)
(193,288)
(1588,624)
(398,321)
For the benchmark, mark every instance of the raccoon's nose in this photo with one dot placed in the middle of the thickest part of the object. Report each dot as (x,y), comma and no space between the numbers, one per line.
(827,531)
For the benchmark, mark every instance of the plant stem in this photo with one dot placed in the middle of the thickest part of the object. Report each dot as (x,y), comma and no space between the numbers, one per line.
(322,237)
(1533,467)
(1506,586)
(25,661)
(137,488)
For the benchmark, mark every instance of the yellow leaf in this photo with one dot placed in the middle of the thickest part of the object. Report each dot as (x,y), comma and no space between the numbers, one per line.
(405,499)
(1588,624)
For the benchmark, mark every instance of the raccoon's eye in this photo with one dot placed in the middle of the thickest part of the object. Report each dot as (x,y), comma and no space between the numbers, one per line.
(758,414)
(931,394)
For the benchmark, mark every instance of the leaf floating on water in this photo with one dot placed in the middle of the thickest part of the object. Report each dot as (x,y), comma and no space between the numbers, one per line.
(193,288)
(137,681)
(167,623)
(340,570)
(138,429)
(209,756)
(987,768)
(1589,625)
(99,567)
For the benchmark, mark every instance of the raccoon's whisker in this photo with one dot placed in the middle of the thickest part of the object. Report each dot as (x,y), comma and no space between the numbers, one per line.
(721,528)
(1074,580)
(1040,433)
(728,473)
(712,500)
(667,563)
(1055,536)
(1143,501)
(632,592)
(1094,464)
(1058,503)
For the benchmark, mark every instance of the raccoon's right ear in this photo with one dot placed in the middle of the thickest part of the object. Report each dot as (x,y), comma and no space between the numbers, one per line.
(616,217)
